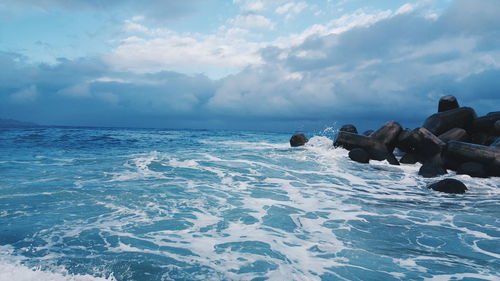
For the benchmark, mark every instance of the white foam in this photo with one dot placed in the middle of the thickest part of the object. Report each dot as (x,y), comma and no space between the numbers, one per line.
(461,276)
(19,272)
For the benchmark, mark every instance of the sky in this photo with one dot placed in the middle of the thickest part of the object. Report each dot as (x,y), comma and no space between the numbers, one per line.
(245,64)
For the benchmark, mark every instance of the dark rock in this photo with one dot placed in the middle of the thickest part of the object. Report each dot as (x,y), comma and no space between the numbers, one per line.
(449,186)
(496,143)
(489,140)
(457,134)
(468,152)
(392,159)
(447,103)
(493,170)
(432,168)
(408,158)
(359,155)
(368,132)
(496,128)
(421,142)
(298,140)
(388,134)
(349,128)
(451,163)
(482,139)
(375,148)
(404,142)
(472,169)
(455,118)
(486,124)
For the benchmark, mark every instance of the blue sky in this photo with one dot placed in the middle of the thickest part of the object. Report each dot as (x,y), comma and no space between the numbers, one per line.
(248,64)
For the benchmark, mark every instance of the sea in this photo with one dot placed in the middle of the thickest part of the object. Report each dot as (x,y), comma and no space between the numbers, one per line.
(154,204)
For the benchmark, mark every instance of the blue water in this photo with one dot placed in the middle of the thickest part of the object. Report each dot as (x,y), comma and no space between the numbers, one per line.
(130,204)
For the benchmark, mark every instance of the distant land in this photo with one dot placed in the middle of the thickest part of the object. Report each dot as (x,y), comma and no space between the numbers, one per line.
(11,123)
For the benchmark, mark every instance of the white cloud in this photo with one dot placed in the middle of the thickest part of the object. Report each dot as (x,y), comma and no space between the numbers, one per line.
(291,8)
(252,21)
(253,6)
(191,53)
(229,49)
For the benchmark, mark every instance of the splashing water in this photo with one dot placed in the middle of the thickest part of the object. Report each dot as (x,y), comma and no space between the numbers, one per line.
(117,204)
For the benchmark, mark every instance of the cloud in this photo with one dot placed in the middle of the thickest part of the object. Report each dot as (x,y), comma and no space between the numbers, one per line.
(364,68)
(251,20)
(291,9)
(253,6)
(28,94)
(392,66)
(156,9)
(157,49)
(88,92)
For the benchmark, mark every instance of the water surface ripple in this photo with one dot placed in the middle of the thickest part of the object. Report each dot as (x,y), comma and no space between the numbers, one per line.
(129,204)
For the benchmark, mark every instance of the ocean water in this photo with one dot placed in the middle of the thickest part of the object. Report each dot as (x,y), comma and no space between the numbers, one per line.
(140,204)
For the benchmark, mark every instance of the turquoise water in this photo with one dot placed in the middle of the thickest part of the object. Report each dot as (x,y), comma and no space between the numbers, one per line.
(126,204)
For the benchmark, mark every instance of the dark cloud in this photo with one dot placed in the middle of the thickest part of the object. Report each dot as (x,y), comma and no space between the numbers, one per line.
(87,92)
(395,69)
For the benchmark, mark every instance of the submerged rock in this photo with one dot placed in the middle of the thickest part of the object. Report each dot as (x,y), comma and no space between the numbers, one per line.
(449,186)
(349,128)
(298,140)
(447,103)
(359,155)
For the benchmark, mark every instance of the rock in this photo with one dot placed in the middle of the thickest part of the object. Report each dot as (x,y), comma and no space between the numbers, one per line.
(349,128)
(447,103)
(408,158)
(496,128)
(392,159)
(480,138)
(449,186)
(375,148)
(421,142)
(298,140)
(451,163)
(432,168)
(404,142)
(486,124)
(359,155)
(469,152)
(496,143)
(493,170)
(455,118)
(388,134)
(457,134)
(472,169)
(488,156)
(368,132)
